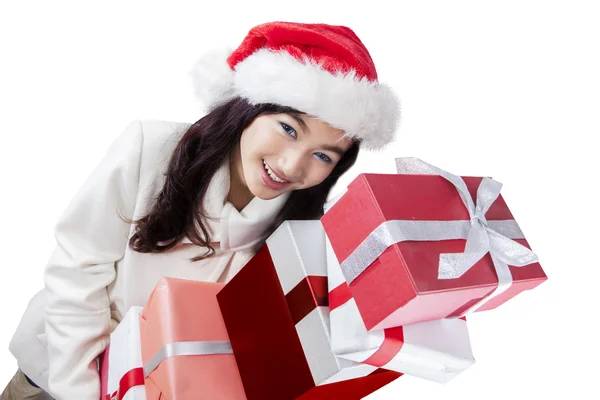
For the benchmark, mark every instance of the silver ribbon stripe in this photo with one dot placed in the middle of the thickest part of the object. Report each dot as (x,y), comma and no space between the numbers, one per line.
(185,349)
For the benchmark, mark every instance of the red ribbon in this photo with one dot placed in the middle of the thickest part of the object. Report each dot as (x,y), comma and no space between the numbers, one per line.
(394,337)
(134,377)
(307,295)
(339,296)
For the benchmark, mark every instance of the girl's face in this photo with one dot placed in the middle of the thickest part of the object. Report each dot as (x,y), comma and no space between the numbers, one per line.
(280,153)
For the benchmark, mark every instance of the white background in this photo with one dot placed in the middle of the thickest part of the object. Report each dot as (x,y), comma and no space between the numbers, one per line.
(505,89)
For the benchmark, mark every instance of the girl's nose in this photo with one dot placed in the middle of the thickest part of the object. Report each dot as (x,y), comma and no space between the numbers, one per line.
(292,165)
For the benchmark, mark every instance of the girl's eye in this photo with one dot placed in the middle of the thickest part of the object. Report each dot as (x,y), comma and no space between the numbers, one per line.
(323,157)
(288,129)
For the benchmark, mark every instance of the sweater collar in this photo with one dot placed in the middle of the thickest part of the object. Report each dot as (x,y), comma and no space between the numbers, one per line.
(236,230)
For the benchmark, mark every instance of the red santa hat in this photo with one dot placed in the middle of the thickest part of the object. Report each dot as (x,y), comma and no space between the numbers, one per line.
(322,70)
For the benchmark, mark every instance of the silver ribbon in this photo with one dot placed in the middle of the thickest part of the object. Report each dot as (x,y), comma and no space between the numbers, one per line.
(185,349)
(483,236)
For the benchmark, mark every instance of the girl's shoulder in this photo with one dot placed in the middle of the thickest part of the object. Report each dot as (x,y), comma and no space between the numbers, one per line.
(160,139)
(159,131)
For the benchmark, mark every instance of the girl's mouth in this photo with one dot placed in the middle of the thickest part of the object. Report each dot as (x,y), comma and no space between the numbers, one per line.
(272,180)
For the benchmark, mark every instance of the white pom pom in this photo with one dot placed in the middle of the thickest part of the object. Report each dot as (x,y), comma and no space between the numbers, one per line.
(212,78)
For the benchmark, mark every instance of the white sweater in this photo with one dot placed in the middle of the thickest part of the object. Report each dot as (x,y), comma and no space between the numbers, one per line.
(93,277)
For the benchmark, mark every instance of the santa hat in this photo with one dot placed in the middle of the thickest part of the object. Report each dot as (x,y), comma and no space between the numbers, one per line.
(322,70)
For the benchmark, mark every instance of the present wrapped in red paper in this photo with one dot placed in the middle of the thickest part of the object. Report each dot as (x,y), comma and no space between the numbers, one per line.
(276,314)
(103,370)
(424,245)
(185,347)
(122,374)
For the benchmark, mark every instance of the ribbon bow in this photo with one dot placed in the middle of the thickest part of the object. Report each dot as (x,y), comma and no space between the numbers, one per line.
(494,237)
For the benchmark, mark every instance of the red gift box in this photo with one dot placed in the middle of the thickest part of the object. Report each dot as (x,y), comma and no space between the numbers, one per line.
(103,369)
(401,286)
(276,315)
(184,344)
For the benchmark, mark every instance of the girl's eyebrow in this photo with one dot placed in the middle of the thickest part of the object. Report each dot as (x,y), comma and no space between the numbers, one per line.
(301,122)
(335,149)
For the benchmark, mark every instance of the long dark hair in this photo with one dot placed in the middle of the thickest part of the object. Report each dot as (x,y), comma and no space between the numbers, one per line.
(198,155)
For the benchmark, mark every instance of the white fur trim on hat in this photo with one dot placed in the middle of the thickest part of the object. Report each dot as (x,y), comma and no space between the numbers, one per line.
(362,109)
(212,79)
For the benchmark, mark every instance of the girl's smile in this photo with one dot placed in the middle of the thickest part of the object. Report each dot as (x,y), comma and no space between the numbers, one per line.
(272,179)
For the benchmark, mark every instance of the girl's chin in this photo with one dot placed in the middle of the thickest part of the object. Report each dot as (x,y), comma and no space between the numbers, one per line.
(265,193)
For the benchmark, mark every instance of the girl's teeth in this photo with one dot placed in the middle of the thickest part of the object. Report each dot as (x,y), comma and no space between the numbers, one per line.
(271,174)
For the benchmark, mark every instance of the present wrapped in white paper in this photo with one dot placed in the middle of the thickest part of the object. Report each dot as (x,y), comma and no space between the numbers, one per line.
(434,350)
(125,368)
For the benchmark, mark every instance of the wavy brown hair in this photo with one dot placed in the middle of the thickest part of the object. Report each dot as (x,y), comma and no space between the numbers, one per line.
(200,152)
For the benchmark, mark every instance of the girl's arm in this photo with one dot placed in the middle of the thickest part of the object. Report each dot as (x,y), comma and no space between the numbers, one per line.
(90,237)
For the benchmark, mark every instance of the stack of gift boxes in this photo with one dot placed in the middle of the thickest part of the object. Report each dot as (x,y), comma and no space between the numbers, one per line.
(335,308)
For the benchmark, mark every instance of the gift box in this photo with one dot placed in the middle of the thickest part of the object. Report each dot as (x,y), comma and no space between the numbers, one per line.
(122,361)
(434,350)
(103,370)
(276,314)
(185,348)
(425,245)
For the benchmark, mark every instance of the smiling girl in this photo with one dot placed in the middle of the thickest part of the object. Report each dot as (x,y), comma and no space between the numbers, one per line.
(290,108)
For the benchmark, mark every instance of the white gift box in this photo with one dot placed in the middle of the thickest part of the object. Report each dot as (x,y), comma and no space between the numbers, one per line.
(297,249)
(125,368)
(434,350)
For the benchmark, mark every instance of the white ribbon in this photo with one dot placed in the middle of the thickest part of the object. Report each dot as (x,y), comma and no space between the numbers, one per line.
(483,236)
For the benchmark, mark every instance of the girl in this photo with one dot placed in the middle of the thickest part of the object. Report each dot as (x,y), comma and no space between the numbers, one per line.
(290,108)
